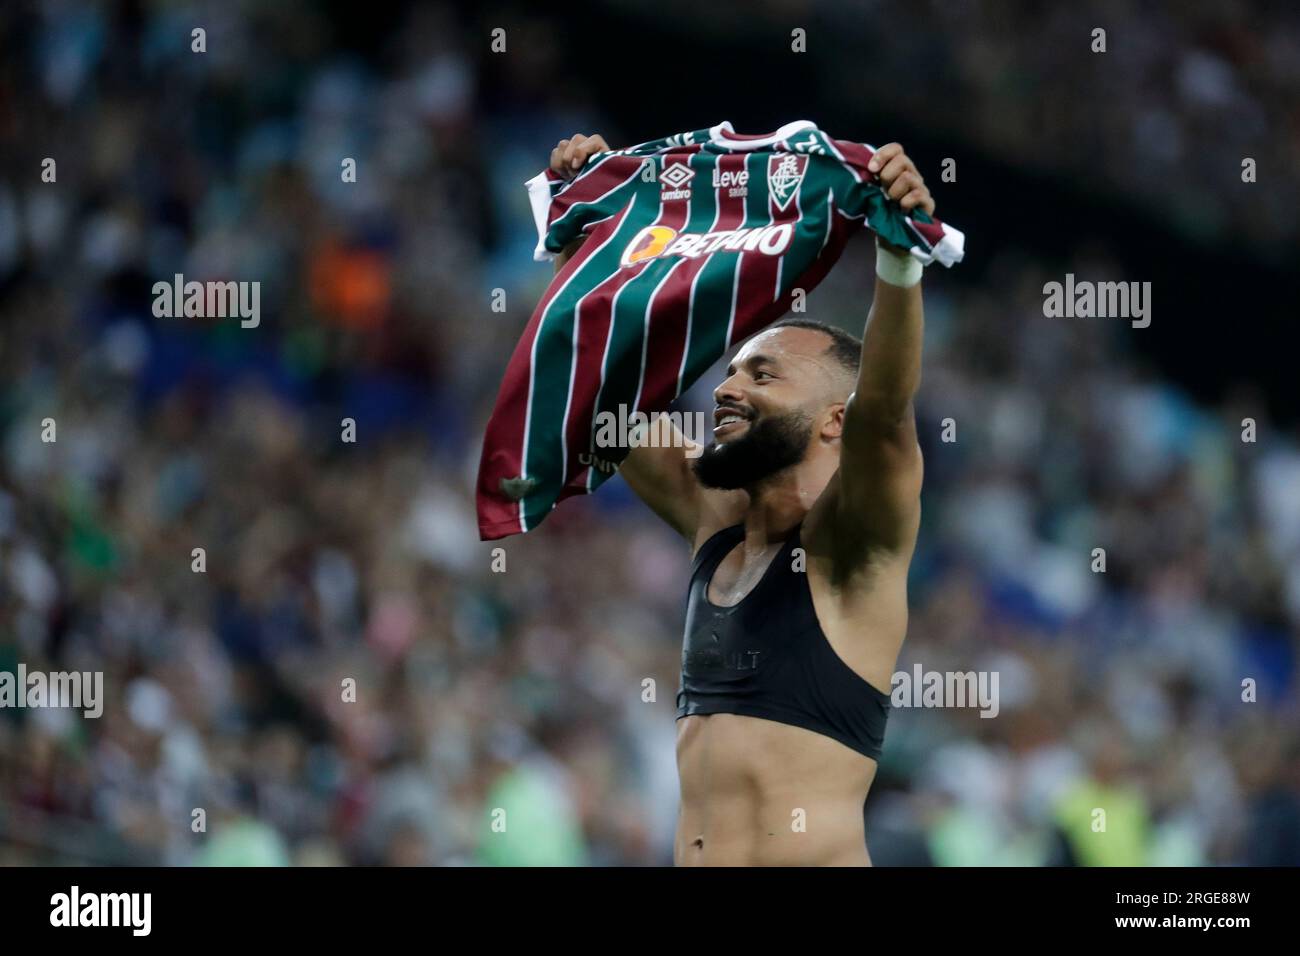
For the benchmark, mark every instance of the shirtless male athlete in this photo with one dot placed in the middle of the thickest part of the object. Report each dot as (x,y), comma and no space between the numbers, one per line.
(788,654)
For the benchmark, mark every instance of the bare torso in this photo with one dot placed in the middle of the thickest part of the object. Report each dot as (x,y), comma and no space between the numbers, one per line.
(756,792)
(759,793)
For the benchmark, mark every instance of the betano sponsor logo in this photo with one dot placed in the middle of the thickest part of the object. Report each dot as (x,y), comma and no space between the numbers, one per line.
(652,242)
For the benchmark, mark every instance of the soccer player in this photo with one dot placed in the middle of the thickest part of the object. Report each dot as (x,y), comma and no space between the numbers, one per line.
(802,516)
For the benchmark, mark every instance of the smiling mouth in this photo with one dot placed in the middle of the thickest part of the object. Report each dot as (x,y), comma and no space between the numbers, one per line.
(729,423)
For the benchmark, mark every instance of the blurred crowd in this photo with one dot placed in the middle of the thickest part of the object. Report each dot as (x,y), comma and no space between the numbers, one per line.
(346,675)
(1179,95)
(1163,105)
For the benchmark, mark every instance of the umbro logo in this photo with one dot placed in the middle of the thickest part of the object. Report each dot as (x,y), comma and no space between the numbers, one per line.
(674,180)
(677,175)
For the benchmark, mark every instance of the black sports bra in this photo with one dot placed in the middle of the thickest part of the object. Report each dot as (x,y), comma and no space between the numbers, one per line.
(768,656)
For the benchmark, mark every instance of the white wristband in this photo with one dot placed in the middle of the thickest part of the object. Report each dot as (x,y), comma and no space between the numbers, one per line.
(905,270)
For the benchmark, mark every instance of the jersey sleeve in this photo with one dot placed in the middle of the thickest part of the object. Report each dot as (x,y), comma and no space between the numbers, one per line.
(542,191)
(925,237)
(562,210)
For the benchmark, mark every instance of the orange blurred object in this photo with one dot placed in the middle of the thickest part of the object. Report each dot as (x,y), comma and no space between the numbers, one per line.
(351,286)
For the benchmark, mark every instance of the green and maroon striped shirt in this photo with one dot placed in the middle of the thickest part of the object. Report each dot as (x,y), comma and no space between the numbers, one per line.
(694,242)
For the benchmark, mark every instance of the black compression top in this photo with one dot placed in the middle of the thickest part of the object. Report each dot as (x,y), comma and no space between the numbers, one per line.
(768,656)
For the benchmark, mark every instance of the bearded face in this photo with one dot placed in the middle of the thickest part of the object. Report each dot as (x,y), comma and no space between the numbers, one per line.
(763,446)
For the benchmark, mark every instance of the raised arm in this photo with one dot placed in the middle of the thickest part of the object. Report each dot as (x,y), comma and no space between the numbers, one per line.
(879,500)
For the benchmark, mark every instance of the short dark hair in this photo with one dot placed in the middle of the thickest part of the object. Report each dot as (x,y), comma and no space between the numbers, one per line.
(845,348)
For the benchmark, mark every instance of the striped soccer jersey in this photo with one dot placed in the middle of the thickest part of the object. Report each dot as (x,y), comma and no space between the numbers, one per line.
(694,242)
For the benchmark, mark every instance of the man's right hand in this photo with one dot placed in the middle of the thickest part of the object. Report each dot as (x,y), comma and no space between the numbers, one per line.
(570,155)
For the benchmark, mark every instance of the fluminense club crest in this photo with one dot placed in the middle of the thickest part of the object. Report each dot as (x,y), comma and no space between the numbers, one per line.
(784,174)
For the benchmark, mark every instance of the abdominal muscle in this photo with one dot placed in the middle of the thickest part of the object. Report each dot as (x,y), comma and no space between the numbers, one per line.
(744,781)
